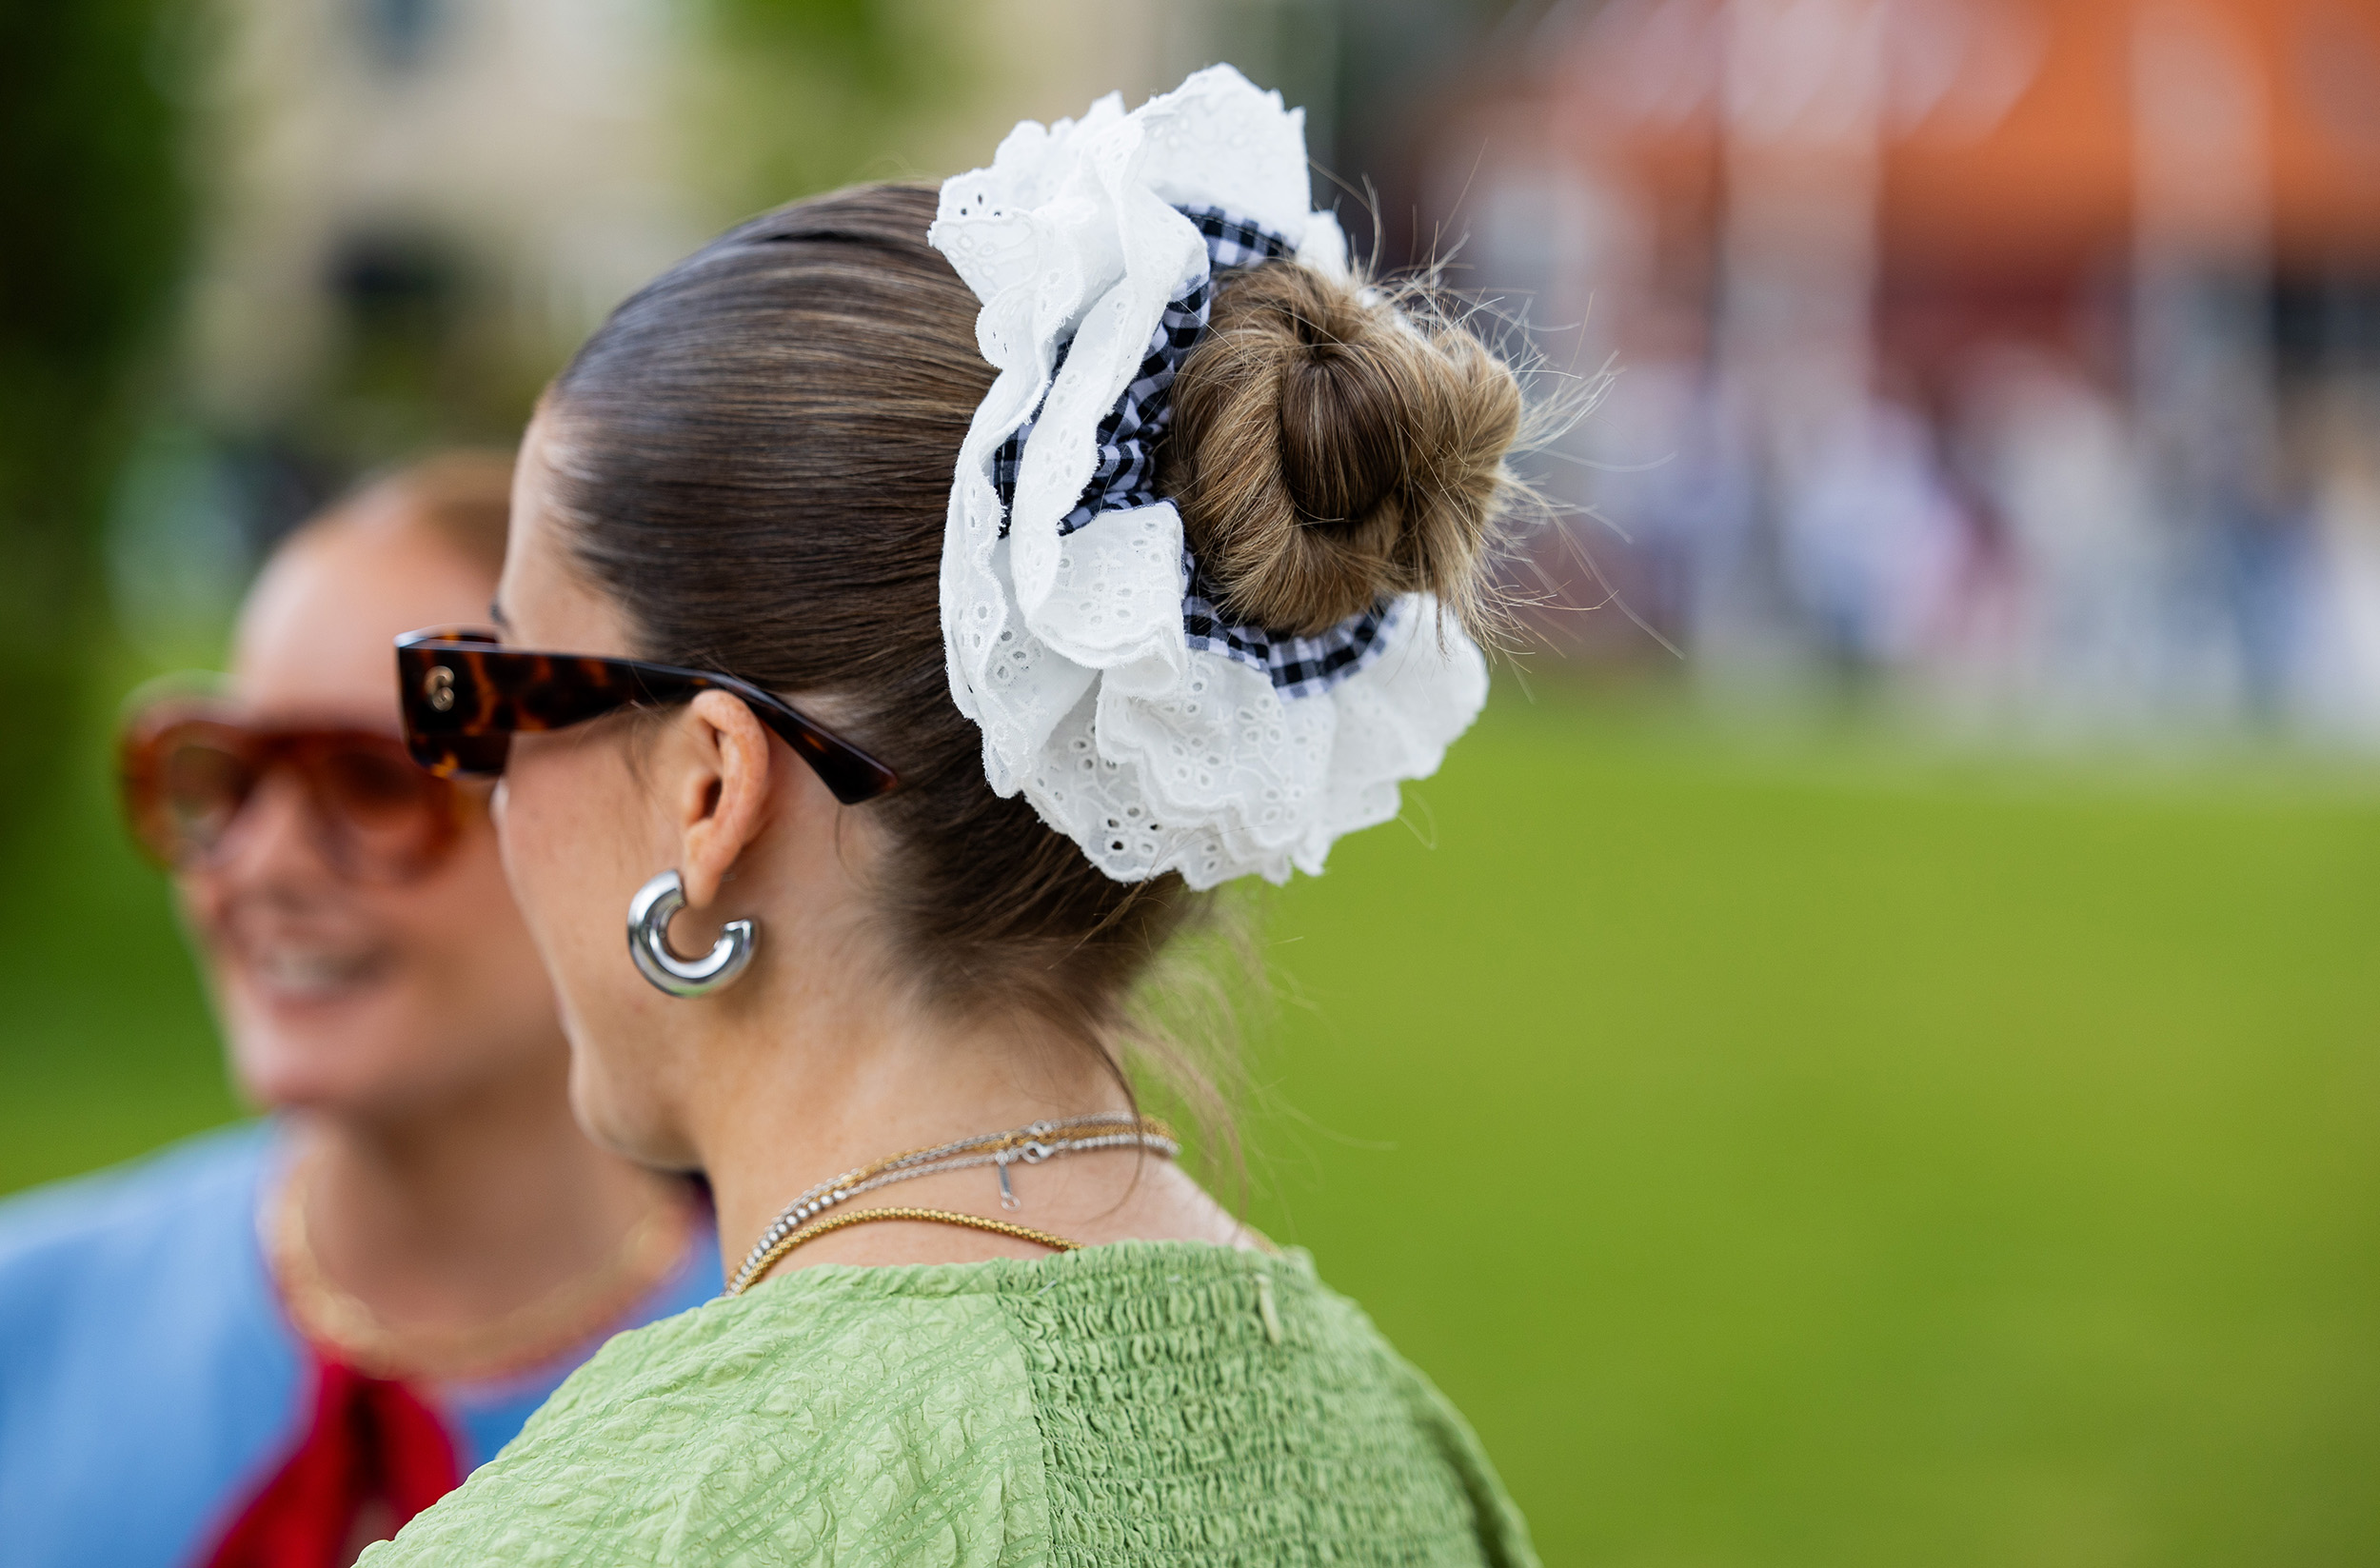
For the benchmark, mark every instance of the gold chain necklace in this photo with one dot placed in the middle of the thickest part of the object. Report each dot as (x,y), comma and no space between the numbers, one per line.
(1028,1146)
(816,1228)
(534,1332)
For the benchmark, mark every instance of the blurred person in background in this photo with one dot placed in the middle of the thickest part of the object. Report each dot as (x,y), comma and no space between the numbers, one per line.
(269,1346)
(1874,545)
(1672,475)
(2338,445)
(2060,463)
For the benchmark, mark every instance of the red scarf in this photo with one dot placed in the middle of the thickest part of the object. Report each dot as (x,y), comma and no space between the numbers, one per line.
(374,1457)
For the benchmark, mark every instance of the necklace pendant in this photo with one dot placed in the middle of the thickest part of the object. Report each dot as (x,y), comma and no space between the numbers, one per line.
(1009,1198)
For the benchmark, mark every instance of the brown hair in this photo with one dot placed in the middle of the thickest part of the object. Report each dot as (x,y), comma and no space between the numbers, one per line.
(463,496)
(1332,445)
(753,456)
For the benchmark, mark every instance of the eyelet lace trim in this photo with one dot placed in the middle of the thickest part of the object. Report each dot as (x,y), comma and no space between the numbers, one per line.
(1107,687)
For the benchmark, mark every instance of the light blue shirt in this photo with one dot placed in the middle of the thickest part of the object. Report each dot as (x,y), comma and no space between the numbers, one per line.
(150,1382)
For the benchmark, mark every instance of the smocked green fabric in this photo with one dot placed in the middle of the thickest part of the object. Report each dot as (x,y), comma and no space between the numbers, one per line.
(1149,1402)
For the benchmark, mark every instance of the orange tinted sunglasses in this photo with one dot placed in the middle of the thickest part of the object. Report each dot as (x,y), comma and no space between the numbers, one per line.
(188,769)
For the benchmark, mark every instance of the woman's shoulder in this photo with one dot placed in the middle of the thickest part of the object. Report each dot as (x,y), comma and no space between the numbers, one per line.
(1140,1402)
(1254,1404)
(136,1314)
(209,1171)
(822,1415)
(185,1211)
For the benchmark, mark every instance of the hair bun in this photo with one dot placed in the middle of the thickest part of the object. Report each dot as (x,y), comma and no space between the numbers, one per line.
(1329,449)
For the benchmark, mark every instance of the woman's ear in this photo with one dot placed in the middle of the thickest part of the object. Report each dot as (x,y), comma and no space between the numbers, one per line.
(716,788)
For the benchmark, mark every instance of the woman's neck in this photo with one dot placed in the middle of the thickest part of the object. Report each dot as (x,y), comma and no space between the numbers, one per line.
(460,1211)
(778,1122)
(774,1111)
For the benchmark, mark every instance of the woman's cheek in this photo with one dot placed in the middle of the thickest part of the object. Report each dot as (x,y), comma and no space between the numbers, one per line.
(202,898)
(530,835)
(560,813)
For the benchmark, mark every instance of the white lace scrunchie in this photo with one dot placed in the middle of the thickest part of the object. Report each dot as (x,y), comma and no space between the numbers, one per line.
(1080,635)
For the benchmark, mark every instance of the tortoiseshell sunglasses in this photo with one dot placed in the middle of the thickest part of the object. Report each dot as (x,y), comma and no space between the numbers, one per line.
(464,695)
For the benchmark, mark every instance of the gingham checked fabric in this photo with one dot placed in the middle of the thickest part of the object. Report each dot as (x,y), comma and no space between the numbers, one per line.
(1298,667)
(1125,476)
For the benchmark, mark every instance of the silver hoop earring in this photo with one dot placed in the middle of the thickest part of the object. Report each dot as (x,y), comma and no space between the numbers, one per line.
(649,914)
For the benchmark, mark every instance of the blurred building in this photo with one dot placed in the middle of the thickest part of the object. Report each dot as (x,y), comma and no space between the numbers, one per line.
(405,207)
(422,197)
(412,211)
(2027,351)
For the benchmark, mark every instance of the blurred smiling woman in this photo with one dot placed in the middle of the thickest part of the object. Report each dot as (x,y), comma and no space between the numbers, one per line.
(906,705)
(272,1347)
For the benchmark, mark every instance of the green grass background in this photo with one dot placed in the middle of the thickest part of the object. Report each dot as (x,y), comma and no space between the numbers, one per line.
(1809,1155)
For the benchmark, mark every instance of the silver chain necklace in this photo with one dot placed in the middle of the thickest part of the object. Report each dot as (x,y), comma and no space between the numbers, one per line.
(1028,1146)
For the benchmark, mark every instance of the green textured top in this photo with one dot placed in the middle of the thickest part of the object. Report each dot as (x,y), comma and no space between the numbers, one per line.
(1145,1402)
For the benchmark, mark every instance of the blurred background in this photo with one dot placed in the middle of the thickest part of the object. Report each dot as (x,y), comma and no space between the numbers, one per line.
(1871,1055)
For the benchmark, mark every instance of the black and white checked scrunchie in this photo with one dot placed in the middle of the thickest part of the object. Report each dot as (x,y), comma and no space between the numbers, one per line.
(1125,476)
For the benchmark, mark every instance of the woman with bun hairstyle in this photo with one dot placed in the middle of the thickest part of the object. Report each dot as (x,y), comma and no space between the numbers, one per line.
(915,609)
